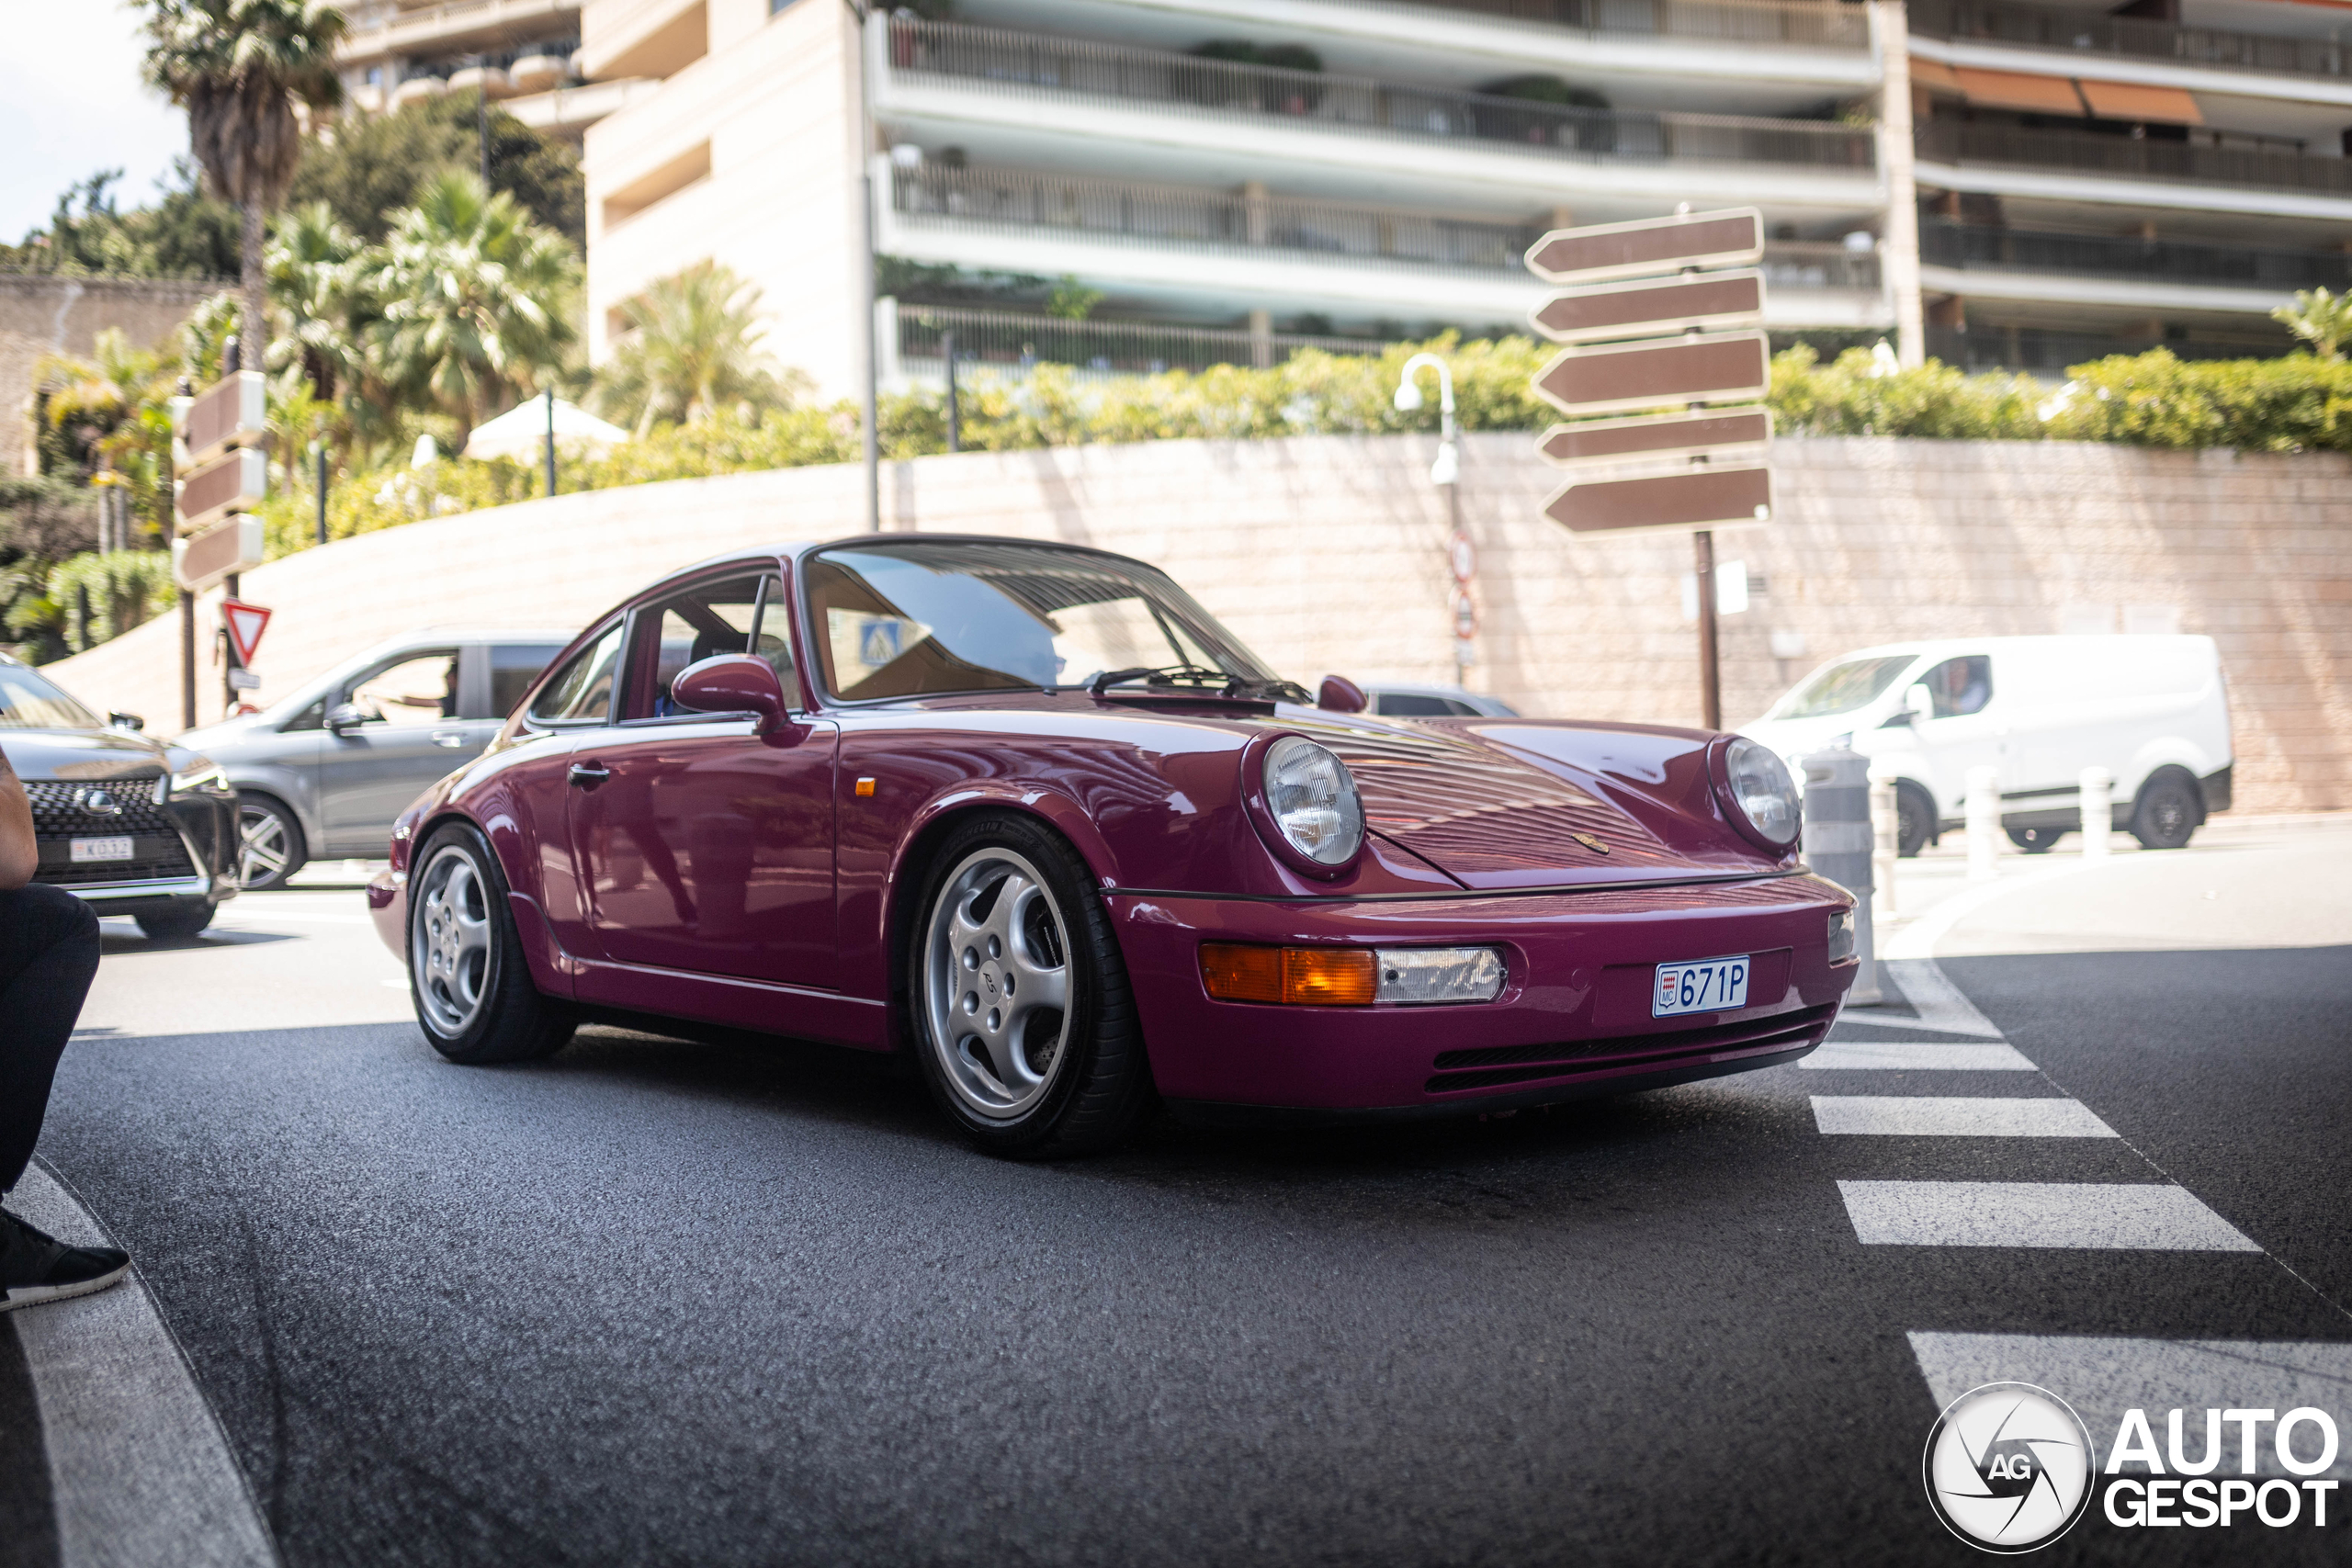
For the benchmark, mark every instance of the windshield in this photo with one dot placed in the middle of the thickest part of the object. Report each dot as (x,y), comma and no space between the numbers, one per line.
(28,701)
(1842,688)
(925,619)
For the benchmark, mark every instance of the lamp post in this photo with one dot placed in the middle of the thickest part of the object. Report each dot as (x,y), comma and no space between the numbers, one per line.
(869,394)
(183,398)
(1444,473)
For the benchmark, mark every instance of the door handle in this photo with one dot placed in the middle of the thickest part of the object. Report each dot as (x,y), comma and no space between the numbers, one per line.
(451,738)
(587,775)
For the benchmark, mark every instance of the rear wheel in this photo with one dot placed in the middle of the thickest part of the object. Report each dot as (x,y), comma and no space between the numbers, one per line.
(467,973)
(2167,813)
(1025,1028)
(269,843)
(175,924)
(2036,841)
(1914,815)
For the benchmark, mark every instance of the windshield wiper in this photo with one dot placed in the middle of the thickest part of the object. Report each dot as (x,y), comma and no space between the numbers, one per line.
(1162,675)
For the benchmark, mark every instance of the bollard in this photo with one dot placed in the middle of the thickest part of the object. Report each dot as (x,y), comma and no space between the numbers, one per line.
(1838,846)
(1984,818)
(2099,811)
(1886,839)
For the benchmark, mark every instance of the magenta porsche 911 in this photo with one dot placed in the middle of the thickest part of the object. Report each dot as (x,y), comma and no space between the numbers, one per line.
(1026,812)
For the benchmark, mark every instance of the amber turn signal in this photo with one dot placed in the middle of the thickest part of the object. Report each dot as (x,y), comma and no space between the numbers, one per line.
(1302,976)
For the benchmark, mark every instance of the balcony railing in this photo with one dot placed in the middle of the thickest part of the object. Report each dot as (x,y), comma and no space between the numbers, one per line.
(1810,23)
(1031,65)
(2127,37)
(2039,353)
(2197,161)
(385,32)
(1004,341)
(1170,217)
(1975,247)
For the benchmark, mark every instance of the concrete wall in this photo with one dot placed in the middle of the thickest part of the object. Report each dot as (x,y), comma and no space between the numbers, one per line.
(1328,554)
(64,315)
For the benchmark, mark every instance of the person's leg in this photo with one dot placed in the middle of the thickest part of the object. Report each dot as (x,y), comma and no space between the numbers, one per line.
(48,953)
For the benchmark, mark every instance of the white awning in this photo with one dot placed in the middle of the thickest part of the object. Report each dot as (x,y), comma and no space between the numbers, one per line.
(522,430)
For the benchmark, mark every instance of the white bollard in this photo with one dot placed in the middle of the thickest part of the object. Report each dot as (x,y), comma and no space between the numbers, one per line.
(2099,811)
(1984,823)
(1886,839)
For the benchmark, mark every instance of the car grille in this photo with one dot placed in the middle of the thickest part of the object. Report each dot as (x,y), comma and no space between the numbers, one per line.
(1496,1065)
(157,849)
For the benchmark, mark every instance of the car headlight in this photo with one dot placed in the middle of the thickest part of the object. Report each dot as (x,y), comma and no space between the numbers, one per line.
(1762,795)
(1312,798)
(202,776)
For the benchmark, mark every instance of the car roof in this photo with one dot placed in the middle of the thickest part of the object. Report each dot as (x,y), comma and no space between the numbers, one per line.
(799,550)
(1941,648)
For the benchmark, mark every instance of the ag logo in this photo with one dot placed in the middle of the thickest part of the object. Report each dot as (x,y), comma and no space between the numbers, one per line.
(2010,1467)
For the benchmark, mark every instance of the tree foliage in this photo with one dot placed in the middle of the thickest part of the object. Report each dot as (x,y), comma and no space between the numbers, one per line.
(369,169)
(690,348)
(184,233)
(2319,318)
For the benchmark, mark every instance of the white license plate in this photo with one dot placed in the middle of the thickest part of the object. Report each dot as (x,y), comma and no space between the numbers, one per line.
(86,851)
(1711,985)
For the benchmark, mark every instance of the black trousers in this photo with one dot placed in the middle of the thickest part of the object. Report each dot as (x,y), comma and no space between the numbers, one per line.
(48,953)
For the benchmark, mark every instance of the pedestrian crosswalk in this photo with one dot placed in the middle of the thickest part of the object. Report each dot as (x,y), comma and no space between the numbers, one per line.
(1954,1116)
(2114,1215)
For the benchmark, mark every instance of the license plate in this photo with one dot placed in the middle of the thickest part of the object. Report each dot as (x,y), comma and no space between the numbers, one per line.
(1711,985)
(86,851)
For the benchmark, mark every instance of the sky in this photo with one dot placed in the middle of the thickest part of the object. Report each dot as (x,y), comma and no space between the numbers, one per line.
(71,103)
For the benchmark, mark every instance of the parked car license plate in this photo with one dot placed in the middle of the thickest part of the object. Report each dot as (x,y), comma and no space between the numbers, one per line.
(1711,985)
(86,851)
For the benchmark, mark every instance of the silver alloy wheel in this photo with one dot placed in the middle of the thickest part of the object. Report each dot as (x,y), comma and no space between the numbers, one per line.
(264,846)
(996,983)
(450,950)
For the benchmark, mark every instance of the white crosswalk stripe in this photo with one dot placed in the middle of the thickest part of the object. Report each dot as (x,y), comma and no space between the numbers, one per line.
(2126,1216)
(1914,1116)
(1915,1056)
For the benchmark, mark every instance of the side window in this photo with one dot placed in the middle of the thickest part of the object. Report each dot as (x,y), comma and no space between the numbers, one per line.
(513,668)
(1960,686)
(420,689)
(1413,705)
(705,620)
(583,690)
(311,717)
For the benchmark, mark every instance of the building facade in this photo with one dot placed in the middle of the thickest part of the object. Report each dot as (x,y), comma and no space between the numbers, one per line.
(1992,184)
(523,53)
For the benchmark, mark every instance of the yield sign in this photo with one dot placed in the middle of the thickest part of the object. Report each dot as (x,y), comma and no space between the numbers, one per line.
(246,623)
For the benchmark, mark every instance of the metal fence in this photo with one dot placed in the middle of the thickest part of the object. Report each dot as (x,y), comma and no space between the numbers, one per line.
(2127,37)
(2048,354)
(2197,159)
(1976,246)
(1029,64)
(1003,341)
(1811,23)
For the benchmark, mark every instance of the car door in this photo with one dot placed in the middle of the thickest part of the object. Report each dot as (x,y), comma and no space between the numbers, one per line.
(409,732)
(703,847)
(1965,727)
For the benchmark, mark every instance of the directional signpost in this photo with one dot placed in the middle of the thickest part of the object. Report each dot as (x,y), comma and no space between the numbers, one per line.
(224,473)
(1651,320)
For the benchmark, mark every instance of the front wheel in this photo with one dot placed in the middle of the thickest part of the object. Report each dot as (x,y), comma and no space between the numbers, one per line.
(467,973)
(269,843)
(1914,816)
(1026,1028)
(175,924)
(2167,813)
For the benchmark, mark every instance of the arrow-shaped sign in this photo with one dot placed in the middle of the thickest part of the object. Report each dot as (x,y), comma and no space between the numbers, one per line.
(1734,237)
(1732,433)
(1711,301)
(1707,497)
(1724,367)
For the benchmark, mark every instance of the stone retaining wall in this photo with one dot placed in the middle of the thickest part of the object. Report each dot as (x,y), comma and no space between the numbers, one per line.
(42,315)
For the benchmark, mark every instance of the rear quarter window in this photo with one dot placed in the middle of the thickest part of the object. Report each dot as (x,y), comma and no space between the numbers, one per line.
(513,668)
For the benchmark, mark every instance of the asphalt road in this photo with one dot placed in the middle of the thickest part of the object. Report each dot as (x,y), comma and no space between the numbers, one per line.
(656,1303)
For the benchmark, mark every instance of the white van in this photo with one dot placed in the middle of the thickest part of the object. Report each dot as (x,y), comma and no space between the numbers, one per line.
(2152,711)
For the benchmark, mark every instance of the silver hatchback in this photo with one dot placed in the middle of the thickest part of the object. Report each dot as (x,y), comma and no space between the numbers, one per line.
(322,773)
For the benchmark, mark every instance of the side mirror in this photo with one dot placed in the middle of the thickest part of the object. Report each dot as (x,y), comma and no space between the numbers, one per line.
(734,682)
(1340,695)
(125,721)
(349,716)
(1917,703)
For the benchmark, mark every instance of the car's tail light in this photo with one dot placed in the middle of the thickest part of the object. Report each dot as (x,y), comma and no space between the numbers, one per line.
(1350,976)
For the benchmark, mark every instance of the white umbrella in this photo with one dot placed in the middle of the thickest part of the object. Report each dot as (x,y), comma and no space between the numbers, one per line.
(522,430)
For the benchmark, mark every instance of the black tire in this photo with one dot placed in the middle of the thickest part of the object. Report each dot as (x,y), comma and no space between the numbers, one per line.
(467,979)
(270,846)
(175,924)
(1097,1082)
(1914,814)
(2036,841)
(2168,811)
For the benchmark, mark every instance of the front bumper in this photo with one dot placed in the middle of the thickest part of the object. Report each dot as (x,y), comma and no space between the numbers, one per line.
(388,906)
(183,851)
(1573,1018)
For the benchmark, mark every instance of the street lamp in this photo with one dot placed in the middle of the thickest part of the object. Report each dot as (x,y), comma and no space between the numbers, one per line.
(1443,472)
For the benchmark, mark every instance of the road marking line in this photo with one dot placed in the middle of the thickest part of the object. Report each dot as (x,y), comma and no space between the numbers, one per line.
(1915,1055)
(139,1468)
(1939,1004)
(2102,1378)
(1922,1116)
(2123,1216)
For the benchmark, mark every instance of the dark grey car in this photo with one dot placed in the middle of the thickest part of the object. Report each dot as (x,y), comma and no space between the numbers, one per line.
(324,773)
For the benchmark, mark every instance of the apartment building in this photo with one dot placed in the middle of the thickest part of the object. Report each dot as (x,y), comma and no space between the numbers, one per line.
(519,52)
(1992,184)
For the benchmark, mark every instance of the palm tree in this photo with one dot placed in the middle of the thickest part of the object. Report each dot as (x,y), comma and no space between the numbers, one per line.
(2321,319)
(474,295)
(239,67)
(315,270)
(690,348)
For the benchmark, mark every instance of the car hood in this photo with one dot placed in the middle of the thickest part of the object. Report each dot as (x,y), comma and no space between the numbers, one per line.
(1500,803)
(82,755)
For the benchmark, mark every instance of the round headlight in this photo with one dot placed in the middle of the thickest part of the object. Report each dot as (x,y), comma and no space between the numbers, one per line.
(1762,789)
(1313,801)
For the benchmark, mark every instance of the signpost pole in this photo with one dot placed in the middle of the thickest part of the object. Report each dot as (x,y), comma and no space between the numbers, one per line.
(1710,696)
(319,452)
(188,659)
(550,441)
(955,409)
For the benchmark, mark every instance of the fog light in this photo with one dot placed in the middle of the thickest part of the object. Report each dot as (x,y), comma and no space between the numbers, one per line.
(1419,975)
(1841,937)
